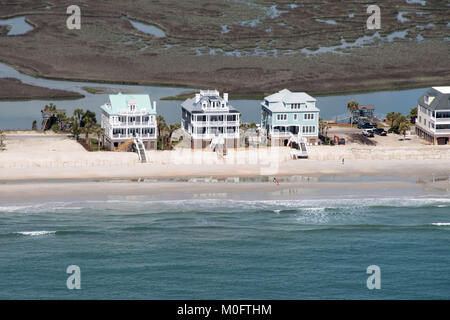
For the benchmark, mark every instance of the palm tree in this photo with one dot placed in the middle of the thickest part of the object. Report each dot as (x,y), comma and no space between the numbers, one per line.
(352,106)
(162,127)
(161,124)
(50,108)
(61,119)
(413,115)
(392,116)
(100,132)
(171,128)
(88,122)
(78,113)
(403,127)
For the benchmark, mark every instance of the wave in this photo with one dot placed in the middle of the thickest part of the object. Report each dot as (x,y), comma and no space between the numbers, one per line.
(441,224)
(35,233)
(142,205)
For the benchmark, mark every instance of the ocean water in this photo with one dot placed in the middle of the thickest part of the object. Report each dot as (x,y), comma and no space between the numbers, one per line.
(141,248)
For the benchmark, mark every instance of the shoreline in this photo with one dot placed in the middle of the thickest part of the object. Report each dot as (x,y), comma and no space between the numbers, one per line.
(201,190)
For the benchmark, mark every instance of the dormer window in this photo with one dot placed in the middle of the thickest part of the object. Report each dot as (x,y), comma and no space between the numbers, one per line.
(132,105)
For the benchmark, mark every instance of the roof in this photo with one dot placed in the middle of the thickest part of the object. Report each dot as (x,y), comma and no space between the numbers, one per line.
(194,105)
(370,107)
(287,96)
(50,113)
(444,90)
(119,103)
(278,100)
(441,99)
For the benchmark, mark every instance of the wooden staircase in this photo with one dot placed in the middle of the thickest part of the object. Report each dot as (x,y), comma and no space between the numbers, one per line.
(125,146)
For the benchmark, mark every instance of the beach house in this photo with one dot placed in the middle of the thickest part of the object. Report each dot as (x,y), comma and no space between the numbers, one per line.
(286,114)
(433,115)
(208,116)
(128,117)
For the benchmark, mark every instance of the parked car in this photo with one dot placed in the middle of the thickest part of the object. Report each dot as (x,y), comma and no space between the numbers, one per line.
(341,141)
(367,125)
(368,133)
(380,131)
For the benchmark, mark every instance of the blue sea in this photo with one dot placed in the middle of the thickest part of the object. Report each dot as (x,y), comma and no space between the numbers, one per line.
(142,248)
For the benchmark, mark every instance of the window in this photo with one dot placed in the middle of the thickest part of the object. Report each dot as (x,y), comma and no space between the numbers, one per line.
(281,117)
(441,115)
(308,129)
(295,116)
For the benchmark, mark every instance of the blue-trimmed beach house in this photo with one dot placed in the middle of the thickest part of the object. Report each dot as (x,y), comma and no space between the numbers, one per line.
(287,114)
(128,117)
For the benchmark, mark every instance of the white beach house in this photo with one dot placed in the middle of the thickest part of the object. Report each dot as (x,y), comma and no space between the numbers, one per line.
(207,116)
(127,117)
(433,115)
(286,114)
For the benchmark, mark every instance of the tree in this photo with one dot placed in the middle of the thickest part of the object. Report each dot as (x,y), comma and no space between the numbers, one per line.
(392,116)
(352,106)
(2,139)
(78,113)
(171,128)
(61,120)
(88,122)
(100,132)
(413,115)
(401,123)
(55,128)
(92,118)
(161,124)
(162,127)
(51,108)
(403,127)
(75,129)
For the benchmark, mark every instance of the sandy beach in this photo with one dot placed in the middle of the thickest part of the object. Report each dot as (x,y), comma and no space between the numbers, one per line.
(36,165)
(36,156)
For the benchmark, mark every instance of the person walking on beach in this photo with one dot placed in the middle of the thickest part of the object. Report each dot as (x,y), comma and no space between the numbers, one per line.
(342,160)
(278,182)
(274,180)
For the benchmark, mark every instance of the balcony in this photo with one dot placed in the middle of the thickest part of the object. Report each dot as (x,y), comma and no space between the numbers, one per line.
(215,123)
(133,124)
(129,136)
(212,135)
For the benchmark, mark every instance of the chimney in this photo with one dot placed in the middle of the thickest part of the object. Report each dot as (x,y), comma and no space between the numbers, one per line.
(197,97)
(154,105)
(225,97)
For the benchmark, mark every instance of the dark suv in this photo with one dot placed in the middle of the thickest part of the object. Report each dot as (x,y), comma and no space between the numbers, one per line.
(367,125)
(380,131)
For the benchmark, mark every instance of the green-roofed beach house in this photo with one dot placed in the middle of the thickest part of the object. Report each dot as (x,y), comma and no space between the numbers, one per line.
(128,117)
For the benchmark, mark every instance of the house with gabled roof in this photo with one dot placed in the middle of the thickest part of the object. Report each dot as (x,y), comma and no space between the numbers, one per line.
(433,115)
(209,116)
(286,114)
